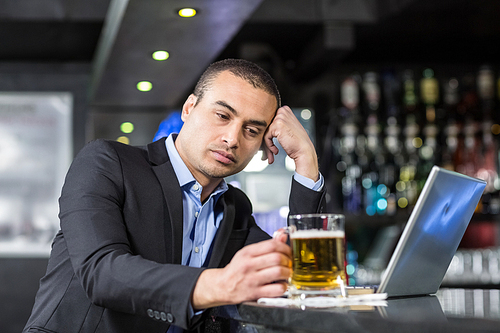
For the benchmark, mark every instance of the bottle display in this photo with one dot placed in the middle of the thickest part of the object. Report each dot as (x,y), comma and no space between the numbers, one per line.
(350,145)
(394,126)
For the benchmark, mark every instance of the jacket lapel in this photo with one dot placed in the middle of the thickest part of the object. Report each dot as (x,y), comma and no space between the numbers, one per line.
(173,199)
(225,228)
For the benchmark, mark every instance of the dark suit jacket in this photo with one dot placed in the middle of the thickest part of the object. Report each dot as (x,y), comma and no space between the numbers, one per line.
(115,264)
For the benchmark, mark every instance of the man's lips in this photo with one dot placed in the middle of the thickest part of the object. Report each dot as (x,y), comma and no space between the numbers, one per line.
(224,157)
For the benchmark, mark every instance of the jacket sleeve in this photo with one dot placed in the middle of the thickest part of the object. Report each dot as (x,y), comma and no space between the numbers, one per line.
(304,200)
(112,276)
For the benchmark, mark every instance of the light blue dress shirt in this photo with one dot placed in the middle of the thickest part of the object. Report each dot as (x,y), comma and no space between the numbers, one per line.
(201,221)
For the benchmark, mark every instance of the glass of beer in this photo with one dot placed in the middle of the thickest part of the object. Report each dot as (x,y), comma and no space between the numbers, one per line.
(318,251)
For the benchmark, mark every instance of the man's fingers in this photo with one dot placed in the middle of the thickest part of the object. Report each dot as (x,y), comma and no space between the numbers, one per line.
(270,275)
(266,247)
(267,154)
(280,121)
(271,260)
(270,157)
(273,290)
(281,235)
(269,143)
(257,270)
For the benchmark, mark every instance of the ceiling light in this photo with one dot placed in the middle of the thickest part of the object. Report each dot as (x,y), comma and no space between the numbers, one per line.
(127,127)
(187,12)
(306,114)
(123,139)
(160,55)
(144,86)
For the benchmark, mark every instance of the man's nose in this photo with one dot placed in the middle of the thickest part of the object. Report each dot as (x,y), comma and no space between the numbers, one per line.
(231,136)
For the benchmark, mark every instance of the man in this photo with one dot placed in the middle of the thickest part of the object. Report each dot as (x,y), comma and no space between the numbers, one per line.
(151,236)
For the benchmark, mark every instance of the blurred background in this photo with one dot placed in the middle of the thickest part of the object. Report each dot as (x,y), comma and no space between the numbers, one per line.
(385,88)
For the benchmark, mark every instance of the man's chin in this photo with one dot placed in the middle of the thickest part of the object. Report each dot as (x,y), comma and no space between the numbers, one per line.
(219,173)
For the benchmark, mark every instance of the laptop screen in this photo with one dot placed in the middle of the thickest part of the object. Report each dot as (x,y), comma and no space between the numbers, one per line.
(432,234)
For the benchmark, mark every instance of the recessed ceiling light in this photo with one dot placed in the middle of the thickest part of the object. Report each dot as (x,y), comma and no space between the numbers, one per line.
(127,127)
(123,139)
(160,55)
(187,12)
(306,114)
(144,86)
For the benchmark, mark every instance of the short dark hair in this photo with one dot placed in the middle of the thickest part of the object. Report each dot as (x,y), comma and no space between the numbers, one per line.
(244,69)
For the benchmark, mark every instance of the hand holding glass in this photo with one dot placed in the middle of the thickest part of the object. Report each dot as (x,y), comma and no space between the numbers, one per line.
(318,251)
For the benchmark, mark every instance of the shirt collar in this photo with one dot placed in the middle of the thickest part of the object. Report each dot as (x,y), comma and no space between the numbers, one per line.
(181,170)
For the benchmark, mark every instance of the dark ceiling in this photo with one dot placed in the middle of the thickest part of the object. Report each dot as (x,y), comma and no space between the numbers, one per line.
(305,37)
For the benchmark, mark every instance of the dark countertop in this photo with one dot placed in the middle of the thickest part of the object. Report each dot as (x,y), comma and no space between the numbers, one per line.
(450,310)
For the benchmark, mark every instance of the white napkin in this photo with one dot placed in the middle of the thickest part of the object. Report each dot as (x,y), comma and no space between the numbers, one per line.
(326,302)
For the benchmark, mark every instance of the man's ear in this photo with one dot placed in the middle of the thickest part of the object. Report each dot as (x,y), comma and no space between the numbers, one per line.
(188,106)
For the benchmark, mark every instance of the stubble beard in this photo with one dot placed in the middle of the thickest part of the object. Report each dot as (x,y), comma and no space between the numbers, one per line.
(218,172)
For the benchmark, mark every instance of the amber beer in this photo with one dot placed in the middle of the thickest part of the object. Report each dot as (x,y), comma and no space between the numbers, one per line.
(318,259)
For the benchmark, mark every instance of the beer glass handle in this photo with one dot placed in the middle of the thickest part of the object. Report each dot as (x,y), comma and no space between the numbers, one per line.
(282,234)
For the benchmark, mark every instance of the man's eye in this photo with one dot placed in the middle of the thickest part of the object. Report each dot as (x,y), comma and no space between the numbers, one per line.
(252,131)
(222,116)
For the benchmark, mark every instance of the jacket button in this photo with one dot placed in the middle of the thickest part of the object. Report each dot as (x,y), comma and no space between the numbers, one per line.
(163,316)
(150,313)
(170,318)
(157,315)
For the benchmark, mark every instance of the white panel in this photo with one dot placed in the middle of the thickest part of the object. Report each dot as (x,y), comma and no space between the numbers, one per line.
(35,152)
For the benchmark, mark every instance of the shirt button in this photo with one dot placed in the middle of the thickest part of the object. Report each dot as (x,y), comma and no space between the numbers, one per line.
(196,249)
(195,214)
(195,187)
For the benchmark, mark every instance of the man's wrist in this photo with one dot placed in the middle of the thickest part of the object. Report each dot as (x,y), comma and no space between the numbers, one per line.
(309,183)
(205,294)
(307,165)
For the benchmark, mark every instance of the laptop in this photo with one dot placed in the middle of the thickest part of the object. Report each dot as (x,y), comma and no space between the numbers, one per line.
(432,234)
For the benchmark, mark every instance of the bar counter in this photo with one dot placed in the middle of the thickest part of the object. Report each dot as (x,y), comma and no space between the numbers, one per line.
(450,310)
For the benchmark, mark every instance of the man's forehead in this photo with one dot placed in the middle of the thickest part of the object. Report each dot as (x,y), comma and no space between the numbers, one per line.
(252,118)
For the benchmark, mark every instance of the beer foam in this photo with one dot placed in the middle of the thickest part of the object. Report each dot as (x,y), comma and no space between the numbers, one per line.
(317,234)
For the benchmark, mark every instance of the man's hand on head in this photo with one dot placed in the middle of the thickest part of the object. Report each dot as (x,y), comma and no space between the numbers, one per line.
(294,139)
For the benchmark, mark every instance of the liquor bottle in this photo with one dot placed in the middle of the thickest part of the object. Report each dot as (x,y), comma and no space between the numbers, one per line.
(468,107)
(391,89)
(466,155)
(412,118)
(494,204)
(488,165)
(472,148)
(407,186)
(467,111)
(393,144)
(449,143)
(349,114)
(373,152)
(489,169)
(429,88)
(486,90)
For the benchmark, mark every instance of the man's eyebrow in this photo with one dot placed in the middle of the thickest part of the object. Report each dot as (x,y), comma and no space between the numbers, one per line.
(233,111)
(227,106)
